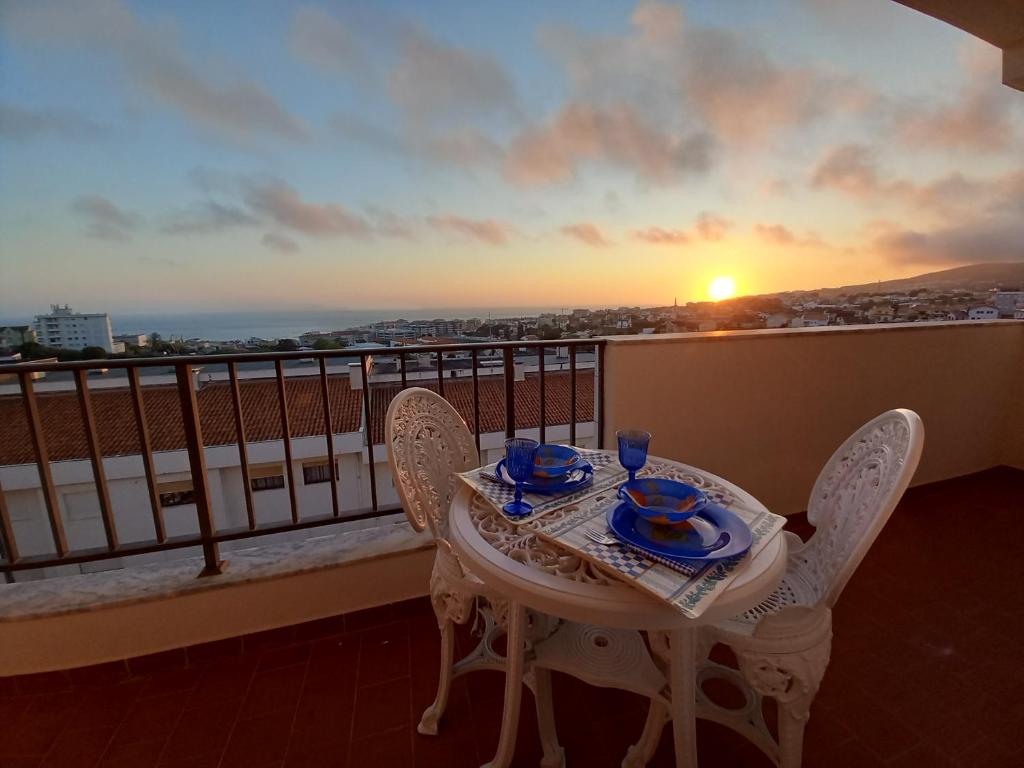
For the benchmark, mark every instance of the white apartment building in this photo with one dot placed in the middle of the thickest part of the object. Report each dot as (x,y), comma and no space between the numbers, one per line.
(64,328)
(1007,302)
(982,313)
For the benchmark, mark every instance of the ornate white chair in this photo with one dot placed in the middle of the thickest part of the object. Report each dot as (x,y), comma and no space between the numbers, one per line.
(428,444)
(783,644)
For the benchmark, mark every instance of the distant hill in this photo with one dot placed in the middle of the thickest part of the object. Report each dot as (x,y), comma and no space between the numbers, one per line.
(974,277)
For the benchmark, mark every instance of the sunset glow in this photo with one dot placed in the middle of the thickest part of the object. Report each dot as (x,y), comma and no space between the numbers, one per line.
(722,288)
(178,157)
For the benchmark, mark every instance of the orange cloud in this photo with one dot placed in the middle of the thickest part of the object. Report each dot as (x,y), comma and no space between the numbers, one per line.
(615,136)
(586,233)
(711,226)
(485,230)
(659,236)
(282,204)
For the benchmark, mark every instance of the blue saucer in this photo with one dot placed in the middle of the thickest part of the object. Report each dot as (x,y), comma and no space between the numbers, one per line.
(579,477)
(713,533)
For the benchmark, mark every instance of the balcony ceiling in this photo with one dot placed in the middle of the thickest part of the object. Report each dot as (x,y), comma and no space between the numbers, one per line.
(999,22)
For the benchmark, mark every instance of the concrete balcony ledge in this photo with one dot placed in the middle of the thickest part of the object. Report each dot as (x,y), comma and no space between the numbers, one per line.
(93,618)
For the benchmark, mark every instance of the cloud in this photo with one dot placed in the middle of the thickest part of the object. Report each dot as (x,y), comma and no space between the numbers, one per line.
(207,217)
(616,136)
(23,124)
(849,168)
(971,242)
(204,93)
(279,243)
(105,221)
(587,233)
(776,234)
(285,207)
(390,224)
(659,236)
(673,70)
(712,227)
(977,118)
(319,39)
(432,80)
(485,230)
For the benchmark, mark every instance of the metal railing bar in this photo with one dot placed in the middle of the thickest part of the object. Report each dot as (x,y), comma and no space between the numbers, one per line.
(256,357)
(510,393)
(146,449)
(329,436)
(7,542)
(180,542)
(401,362)
(440,374)
(572,396)
(476,401)
(35,426)
(543,398)
(197,468)
(599,393)
(243,451)
(99,477)
(369,435)
(282,400)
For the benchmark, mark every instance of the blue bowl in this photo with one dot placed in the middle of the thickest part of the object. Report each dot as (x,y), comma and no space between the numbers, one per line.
(555,461)
(663,502)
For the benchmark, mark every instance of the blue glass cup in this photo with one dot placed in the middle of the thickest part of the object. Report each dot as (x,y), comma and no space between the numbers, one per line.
(633,445)
(520,454)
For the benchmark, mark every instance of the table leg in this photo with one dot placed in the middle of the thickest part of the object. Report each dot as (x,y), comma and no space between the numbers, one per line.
(684,700)
(513,686)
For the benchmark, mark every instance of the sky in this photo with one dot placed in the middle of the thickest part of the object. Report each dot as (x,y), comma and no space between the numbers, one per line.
(198,156)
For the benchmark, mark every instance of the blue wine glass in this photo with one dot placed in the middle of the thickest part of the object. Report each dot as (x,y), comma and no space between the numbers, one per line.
(520,453)
(633,449)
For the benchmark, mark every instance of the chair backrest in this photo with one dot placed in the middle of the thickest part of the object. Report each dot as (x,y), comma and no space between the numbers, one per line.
(854,496)
(428,442)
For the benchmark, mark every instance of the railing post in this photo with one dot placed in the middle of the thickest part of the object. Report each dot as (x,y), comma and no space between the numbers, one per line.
(510,393)
(368,416)
(572,394)
(197,467)
(599,392)
(8,546)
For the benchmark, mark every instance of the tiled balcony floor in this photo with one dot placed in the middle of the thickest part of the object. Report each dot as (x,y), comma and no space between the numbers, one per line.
(925,672)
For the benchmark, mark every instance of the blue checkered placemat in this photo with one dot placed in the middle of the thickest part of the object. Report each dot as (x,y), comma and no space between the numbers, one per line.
(607,473)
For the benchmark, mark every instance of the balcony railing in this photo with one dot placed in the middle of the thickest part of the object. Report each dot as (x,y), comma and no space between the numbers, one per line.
(209,537)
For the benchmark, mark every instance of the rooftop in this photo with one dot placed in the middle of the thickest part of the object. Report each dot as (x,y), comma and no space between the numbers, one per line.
(919,676)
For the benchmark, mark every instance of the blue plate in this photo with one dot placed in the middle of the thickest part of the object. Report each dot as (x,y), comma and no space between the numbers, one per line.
(713,533)
(579,477)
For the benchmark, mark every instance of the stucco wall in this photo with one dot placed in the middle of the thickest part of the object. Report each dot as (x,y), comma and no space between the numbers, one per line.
(766,409)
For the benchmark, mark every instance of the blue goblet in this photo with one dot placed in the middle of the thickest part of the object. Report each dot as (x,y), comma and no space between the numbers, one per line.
(633,449)
(520,453)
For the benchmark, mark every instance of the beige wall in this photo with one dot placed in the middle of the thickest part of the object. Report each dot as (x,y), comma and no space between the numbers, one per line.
(766,409)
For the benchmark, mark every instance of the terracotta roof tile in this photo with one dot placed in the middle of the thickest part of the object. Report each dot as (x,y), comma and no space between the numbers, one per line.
(115,421)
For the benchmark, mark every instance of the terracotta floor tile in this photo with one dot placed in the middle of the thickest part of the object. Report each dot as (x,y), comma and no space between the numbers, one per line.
(44,682)
(258,642)
(199,732)
(100,674)
(384,653)
(392,749)
(287,656)
(78,749)
(273,690)
(369,618)
(224,682)
(140,754)
(382,707)
(258,742)
(330,626)
(206,653)
(151,719)
(105,707)
(158,662)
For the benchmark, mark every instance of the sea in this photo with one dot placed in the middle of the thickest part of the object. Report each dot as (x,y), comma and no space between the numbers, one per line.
(226,326)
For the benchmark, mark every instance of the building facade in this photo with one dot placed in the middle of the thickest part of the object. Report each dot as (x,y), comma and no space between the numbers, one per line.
(64,328)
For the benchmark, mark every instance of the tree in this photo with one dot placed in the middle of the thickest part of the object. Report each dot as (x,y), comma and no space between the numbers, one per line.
(94,353)
(287,345)
(549,332)
(322,343)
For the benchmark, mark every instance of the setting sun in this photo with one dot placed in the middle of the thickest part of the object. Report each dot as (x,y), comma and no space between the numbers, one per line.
(722,288)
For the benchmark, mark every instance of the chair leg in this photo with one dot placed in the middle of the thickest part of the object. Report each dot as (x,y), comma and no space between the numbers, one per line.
(433,714)
(791,735)
(515,656)
(554,755)
(640,754)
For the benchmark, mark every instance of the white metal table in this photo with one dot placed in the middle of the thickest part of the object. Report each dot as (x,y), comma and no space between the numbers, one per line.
(536,574)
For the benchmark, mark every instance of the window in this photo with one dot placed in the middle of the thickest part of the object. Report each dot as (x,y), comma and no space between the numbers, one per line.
(176,494)
(266,477)
(317,473)
(267,483)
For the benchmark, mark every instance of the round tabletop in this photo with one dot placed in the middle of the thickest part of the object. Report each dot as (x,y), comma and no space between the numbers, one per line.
(521,565)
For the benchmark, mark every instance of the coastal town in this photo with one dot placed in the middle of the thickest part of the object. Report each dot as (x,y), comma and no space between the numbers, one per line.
(66,334)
